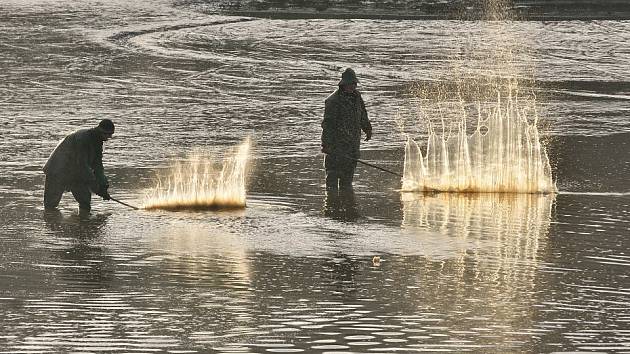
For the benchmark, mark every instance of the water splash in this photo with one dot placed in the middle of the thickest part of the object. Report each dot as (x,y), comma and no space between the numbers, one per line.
(503,154)
(494,86)
(198,184)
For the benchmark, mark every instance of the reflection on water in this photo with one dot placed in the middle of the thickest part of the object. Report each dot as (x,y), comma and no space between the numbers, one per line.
(506,231)
(81,261)
(515,223)
(214,251)
(341,205)
(464,273)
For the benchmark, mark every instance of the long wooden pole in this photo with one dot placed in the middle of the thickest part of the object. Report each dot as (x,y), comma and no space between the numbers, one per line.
(374,166)
(123,203)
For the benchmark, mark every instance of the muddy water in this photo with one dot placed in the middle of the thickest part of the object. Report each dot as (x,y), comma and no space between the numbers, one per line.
(295,271)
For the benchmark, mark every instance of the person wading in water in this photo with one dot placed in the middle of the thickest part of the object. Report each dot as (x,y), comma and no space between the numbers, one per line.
(344,118)
(76,165)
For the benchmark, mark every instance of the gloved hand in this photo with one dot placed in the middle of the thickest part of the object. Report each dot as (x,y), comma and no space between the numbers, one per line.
(106,196)
(103,193)
(368,135)
(326,149)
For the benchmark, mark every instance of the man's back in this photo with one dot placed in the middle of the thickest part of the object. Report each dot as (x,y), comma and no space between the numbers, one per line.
(344,118)
(80,147)
(76,165)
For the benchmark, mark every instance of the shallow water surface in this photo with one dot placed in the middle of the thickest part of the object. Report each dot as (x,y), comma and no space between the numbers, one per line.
(298,270)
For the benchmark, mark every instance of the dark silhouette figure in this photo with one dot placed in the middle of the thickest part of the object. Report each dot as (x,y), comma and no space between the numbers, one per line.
(344,118)
(76,165)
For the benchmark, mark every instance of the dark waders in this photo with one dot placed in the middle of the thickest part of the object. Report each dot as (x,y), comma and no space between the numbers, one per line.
(339,172)
(54,188)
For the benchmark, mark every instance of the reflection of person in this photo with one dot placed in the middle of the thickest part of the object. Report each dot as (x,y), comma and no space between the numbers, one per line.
(341,205)
(76,165)
(93,268)
(344,118)
(343,275)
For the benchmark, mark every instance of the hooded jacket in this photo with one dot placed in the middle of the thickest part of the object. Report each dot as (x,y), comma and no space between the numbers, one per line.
(78,158)
(344,118)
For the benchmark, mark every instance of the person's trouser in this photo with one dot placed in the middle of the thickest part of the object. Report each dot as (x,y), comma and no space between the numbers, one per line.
(339,172)
(54,188)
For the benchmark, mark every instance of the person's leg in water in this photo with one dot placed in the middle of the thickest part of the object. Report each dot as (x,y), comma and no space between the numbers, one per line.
(340,202)
(346,175)
(348,205)
(332,173)
(83,195)
(331,202)
(53,191)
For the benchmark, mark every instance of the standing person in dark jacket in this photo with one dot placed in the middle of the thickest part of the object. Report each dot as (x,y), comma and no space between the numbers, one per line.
(344,118)
(76,165)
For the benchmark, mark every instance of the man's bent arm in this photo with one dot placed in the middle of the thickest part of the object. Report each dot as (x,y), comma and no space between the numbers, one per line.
(99,170)
(366,126)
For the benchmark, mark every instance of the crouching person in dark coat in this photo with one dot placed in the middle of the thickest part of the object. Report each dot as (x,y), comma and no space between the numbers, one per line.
(344,118)
(76,165)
